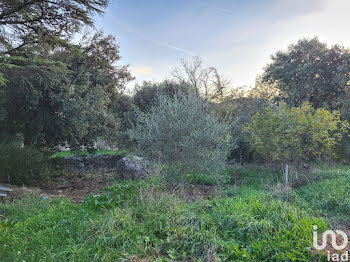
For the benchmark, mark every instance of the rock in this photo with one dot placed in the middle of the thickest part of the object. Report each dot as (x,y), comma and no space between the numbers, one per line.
(100,143)
(128,167)
(133,167)
(89,163)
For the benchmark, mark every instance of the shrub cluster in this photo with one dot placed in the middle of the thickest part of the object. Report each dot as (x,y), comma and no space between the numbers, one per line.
(181,132)
(23,165)
(295,134)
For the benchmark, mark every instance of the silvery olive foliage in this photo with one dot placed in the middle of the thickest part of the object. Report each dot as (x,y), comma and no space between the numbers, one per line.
(181,132)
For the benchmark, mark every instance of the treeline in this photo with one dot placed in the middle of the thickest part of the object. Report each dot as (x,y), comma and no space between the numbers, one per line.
(57,91)
(295,114)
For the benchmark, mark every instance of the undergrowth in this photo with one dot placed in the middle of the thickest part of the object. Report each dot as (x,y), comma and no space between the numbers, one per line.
(132,220)
(86,153)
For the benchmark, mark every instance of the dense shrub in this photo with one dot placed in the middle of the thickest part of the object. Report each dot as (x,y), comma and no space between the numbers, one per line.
(23,165)
(295,134)
(124,111)
(237,110)
(148,93)
(181,133)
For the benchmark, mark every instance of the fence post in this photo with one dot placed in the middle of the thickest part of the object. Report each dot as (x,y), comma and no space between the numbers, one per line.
(286,175)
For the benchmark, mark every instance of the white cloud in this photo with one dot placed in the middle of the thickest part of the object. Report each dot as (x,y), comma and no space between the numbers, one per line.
(138,71)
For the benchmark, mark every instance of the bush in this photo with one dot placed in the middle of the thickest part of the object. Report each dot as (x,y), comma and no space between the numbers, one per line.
(25,165)
(292,135)
(237,110)
(148,93)
(181,133)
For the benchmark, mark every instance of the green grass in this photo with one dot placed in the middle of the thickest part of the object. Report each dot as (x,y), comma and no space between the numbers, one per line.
(133,220)
(86,153)
(330,196)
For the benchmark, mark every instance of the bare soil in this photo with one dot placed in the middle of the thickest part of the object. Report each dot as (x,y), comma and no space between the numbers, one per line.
(77,186)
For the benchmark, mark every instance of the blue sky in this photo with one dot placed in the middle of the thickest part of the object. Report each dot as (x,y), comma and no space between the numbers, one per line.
(236,36)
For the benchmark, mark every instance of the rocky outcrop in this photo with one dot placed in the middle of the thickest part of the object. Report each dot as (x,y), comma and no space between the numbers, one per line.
(132,167)
(125,166)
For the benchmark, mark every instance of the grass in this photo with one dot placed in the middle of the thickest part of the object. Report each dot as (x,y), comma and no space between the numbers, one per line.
(330,196)
(86,153)
(133,220)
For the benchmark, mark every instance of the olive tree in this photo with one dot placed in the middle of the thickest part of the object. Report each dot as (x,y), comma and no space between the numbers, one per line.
(180,132)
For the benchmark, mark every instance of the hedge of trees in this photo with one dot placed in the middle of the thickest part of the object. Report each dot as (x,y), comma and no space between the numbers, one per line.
(54,91)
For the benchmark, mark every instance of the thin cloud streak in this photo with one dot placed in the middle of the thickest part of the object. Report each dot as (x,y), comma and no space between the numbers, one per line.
(156,42)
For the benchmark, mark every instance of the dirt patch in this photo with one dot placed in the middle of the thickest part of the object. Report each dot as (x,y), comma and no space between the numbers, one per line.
(75,186)
(78,186)
(20,192)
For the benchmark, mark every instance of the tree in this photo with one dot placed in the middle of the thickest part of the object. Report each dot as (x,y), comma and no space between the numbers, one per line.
(309,71)
(66,97)
(147,94)
(293,135)
(181,133)
(237,110)
(27,24)
(205,82)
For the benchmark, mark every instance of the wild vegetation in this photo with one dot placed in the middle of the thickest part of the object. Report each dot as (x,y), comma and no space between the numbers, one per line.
(215,188)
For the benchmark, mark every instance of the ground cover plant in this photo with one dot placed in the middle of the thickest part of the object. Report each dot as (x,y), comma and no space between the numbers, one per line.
(86,153)
(142,220)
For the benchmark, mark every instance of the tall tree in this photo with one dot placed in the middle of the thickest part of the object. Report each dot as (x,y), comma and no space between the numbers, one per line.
(25,24)
(68,96)
(310,71)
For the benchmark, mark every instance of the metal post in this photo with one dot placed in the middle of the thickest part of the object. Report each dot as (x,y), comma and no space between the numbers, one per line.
(286,175)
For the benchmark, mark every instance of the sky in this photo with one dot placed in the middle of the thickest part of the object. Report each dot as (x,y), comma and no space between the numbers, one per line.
(235,36)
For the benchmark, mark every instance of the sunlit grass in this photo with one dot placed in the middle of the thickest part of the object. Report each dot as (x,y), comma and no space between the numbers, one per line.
(86,153)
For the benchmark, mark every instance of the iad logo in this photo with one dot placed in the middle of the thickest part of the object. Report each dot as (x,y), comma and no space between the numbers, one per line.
(333,235)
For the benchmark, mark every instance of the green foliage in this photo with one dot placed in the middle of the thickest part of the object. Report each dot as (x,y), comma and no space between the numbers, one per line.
(139,220)
(148,93)
(181,133)
(125,112)
(57,92)
(2,79)
(86,153)
(298,134)
(65,97)
(309,71)
(236,110)
(3,111)
(39,25)
(330,195)
(23,165)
